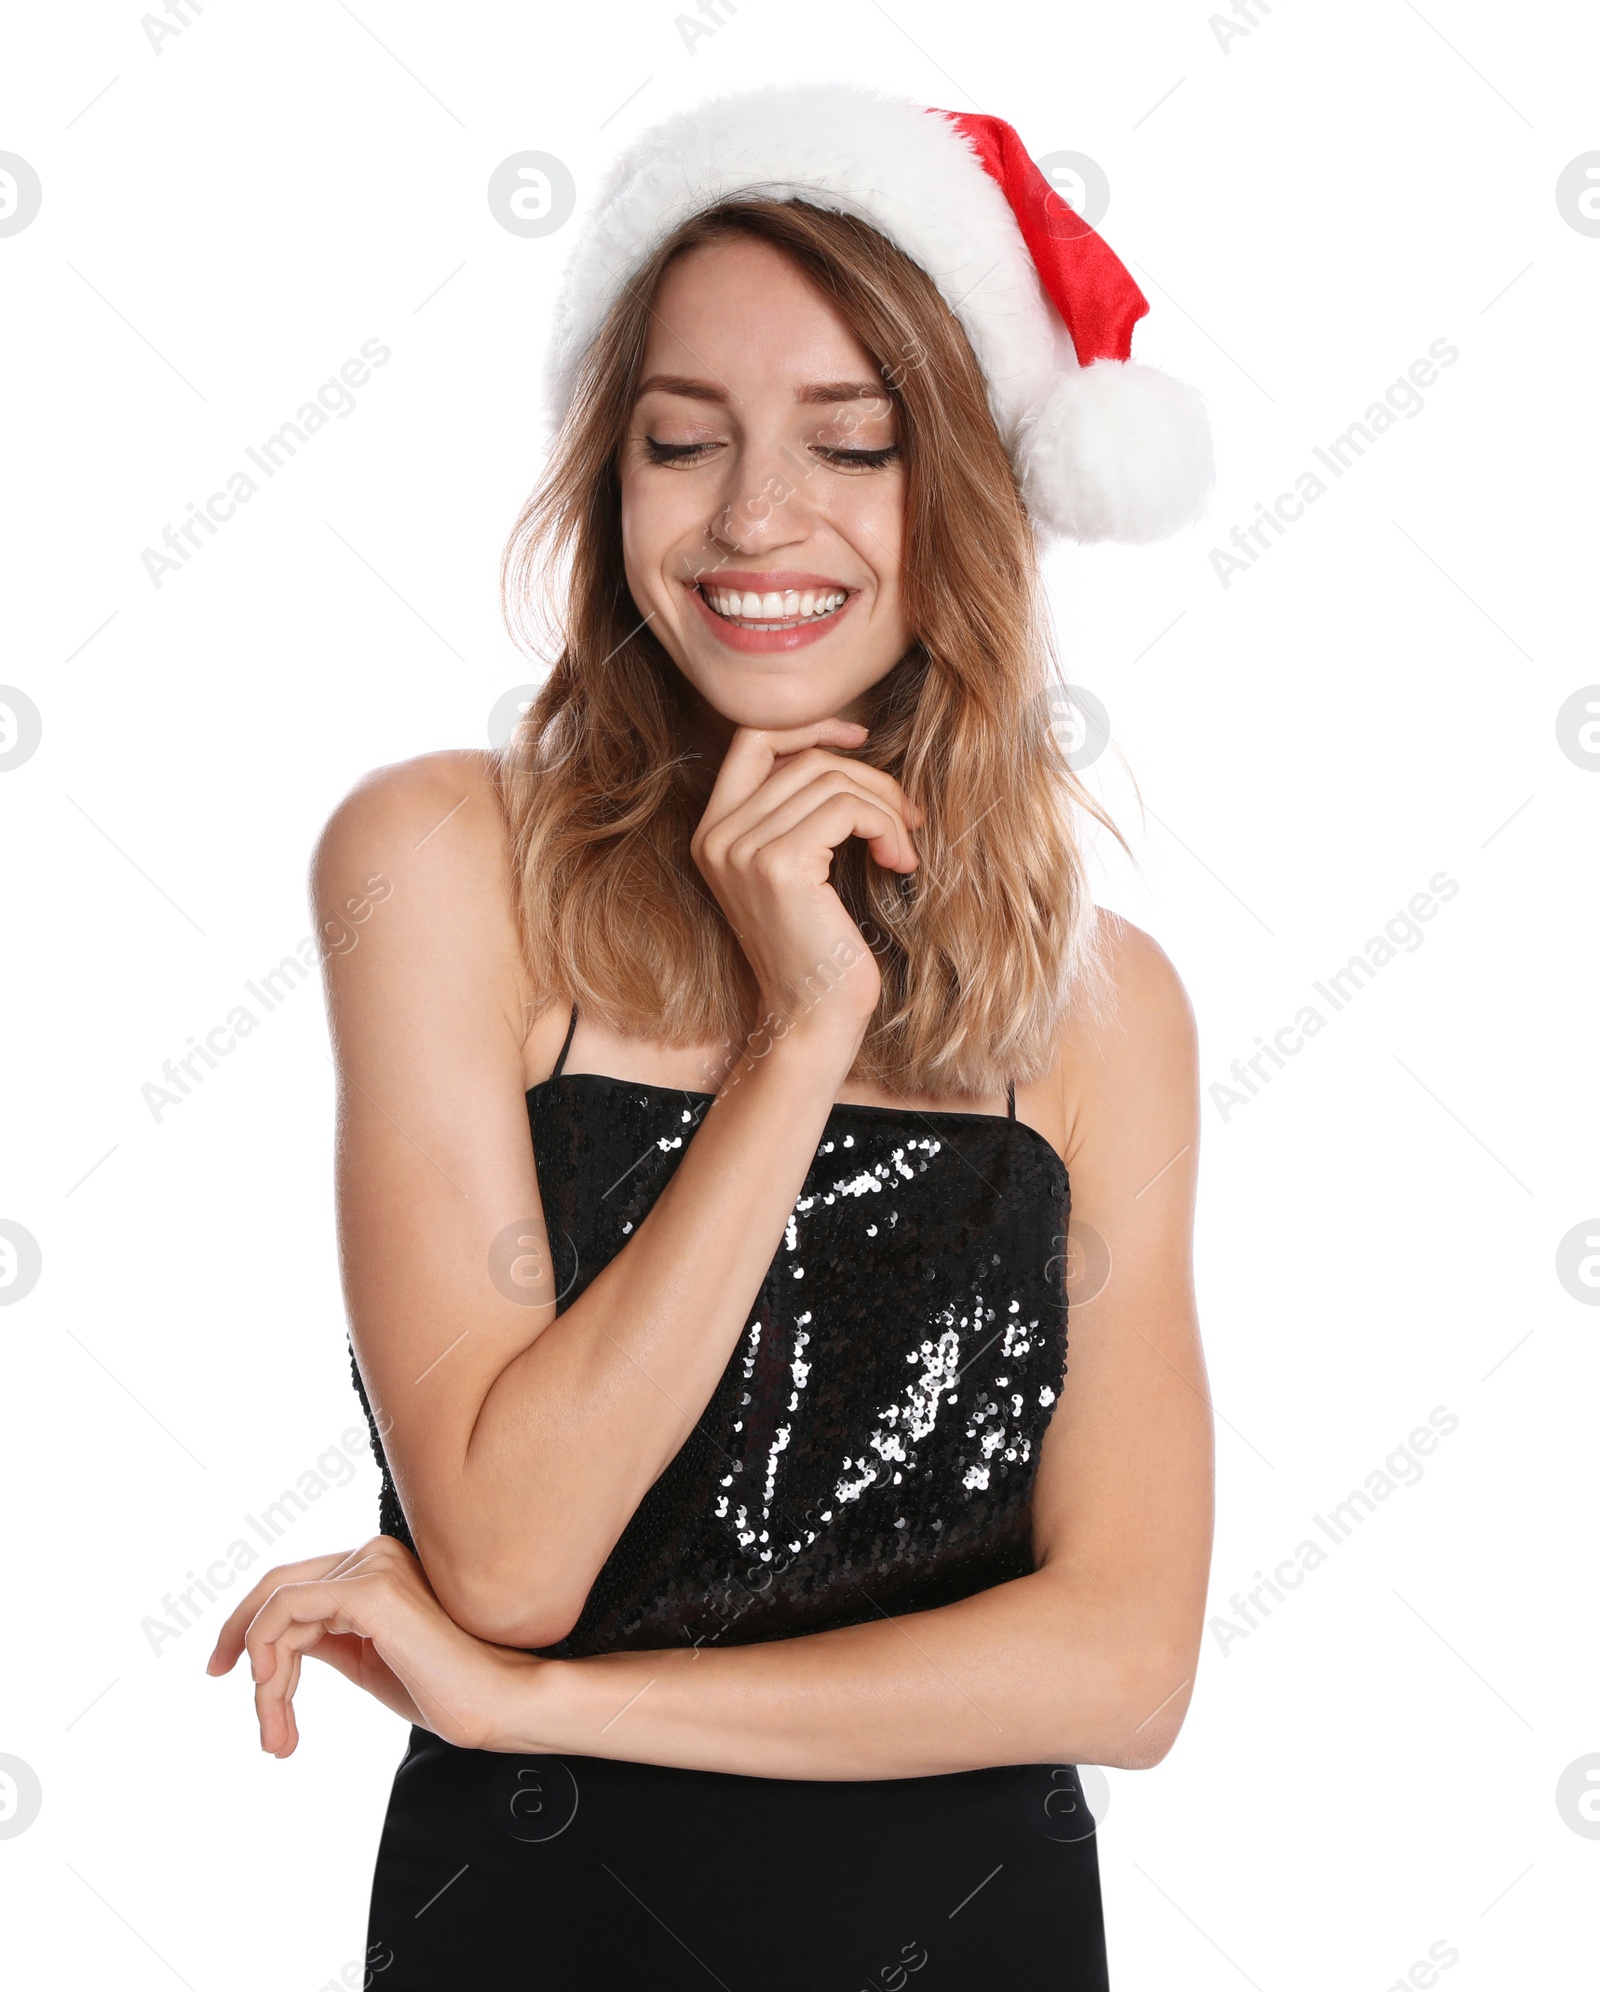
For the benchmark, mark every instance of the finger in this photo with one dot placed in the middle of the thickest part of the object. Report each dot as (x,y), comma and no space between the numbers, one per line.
(291,1721)
(230,1641)
(270,1698)
(290,1713)
(876,778)
(793,773)
(895,851)
(389,1610)
(805,851)
(364,1667)
(753,750)
(347,1653)
(304,1617)
(280,1728)
(344,1604)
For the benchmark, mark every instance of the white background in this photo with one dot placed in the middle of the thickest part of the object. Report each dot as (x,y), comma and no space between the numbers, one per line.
(1373,1769)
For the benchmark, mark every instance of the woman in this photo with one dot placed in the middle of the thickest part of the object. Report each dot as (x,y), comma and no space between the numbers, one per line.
(753,1572)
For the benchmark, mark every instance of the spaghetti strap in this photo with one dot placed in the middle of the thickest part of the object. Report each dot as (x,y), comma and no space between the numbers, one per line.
(567,1046)
(1011,1099)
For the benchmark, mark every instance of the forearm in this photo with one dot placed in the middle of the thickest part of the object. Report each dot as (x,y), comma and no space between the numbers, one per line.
(576,1428)
(1026,1672)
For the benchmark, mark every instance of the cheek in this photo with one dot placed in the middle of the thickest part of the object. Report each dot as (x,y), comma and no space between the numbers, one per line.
(646,531)
(877,526)
(663,532)
(881,508)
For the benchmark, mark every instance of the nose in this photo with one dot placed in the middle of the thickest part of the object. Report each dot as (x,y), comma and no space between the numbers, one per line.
(763,503)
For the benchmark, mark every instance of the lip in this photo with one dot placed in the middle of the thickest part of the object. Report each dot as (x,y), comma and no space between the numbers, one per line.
(763,642)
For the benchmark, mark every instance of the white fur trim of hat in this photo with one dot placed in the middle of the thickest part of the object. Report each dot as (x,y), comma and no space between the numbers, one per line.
(1104,448)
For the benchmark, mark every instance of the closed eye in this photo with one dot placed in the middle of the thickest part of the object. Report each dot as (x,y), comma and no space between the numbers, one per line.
(675,452)
(859,459)
(669,453)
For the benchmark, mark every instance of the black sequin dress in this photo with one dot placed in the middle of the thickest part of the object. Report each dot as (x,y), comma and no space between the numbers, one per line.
(870,1451)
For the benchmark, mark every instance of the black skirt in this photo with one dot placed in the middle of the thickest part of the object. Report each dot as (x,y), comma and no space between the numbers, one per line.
(550,1873)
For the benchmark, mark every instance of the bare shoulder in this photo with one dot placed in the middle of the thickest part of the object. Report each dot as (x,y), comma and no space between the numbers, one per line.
(426,842)
(1146,994)
(1131,1060)
(403,807)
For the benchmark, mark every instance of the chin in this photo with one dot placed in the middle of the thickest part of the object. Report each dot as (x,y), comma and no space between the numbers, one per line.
(773,715)
(770,693)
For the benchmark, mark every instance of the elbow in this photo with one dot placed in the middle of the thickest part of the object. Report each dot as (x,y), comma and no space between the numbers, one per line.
(1151,1697)
(1117,1671)
(521,1607)
(1118,1701)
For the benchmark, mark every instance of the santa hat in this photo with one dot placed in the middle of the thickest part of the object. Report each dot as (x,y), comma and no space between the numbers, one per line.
(1104,448)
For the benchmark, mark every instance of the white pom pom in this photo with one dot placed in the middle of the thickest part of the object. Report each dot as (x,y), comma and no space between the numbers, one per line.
(1118,452)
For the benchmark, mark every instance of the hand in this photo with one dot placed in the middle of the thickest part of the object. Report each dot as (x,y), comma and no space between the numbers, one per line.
(372,1614)
(781,805)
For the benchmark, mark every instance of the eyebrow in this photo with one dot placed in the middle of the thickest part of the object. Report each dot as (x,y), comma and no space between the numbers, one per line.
(817,393)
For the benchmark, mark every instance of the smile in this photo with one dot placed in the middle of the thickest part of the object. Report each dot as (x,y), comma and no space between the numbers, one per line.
(774,612)
(793,608)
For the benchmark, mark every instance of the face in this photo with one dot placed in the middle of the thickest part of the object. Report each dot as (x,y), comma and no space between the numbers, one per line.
(763,497)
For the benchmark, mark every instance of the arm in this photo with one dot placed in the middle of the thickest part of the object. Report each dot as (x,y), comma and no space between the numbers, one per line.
(1091,1658)
(522,1442)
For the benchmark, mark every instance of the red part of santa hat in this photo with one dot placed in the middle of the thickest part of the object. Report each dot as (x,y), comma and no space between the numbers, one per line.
(1104,448)
(1099,302)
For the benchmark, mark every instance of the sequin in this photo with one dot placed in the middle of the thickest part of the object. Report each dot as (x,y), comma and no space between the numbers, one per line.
(872,1444)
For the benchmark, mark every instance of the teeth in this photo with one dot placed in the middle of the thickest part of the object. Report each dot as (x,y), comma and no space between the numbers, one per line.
(792,606)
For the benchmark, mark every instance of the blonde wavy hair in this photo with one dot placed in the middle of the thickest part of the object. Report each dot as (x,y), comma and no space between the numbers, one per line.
(984,946)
